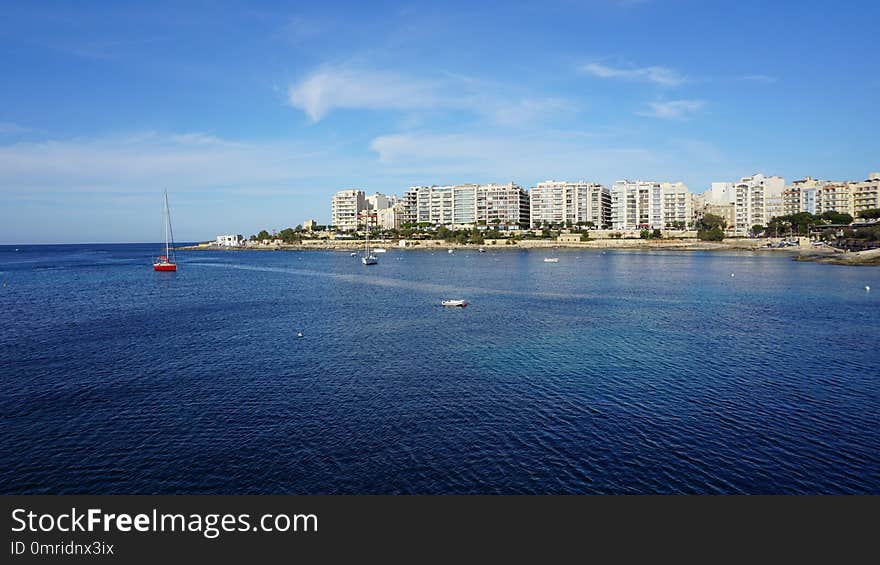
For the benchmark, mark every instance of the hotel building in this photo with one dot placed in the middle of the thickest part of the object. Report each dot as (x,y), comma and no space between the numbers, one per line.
(467,204)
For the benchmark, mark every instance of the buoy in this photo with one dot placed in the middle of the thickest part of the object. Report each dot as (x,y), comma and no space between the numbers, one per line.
(731,274)
(299,334)
(867,288)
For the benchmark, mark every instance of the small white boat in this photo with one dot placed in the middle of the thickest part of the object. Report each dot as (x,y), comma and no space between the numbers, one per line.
(379,250)
(551,259)
(455,303)
(353,254)
(451,251)
(481,250)
(369,259)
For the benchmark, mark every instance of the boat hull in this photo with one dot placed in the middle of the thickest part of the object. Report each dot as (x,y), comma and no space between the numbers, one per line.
(164,267)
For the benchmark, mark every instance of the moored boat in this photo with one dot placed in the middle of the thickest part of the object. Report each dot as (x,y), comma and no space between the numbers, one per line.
(455,303)
(167,262)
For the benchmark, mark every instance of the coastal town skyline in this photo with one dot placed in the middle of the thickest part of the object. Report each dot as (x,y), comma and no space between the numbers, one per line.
(253,115)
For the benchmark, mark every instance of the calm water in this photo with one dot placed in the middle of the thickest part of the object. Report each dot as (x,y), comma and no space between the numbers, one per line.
(617,372)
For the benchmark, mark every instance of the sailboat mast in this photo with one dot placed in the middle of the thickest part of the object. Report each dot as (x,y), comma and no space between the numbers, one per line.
(165,218)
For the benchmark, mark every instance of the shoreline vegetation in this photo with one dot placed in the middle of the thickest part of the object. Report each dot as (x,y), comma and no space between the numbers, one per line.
(826,255)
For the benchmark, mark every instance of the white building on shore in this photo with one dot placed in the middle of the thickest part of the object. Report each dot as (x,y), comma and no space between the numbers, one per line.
(229,240)
(467,204)
(570,203)
(758,199)
(345,209)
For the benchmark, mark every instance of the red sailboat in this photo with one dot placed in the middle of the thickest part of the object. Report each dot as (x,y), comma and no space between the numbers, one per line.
(167,262)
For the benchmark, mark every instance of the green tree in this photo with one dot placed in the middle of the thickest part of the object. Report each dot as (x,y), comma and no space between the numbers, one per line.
(756,229)
(713,234)
(645,234)
(840,218)
(870,214)
(263,235)
(711,221)
(656,234)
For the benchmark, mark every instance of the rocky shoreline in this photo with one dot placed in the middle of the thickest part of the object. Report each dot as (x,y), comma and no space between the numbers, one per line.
(822,255)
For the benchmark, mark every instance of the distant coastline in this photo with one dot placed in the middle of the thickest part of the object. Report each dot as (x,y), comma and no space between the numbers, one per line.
(819,255)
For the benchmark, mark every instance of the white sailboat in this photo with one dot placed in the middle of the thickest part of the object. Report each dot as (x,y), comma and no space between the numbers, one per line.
(368,258)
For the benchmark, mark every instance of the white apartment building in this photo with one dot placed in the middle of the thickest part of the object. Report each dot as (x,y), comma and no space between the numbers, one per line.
(309,225)
(467,204)
(678,204)
(758,198)
(563,202)
(636,205)
(721,193)
(345,209)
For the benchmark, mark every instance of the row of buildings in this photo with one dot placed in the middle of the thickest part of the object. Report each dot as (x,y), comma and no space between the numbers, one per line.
(626,205)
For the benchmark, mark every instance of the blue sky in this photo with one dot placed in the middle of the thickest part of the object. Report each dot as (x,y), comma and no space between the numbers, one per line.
(252,114)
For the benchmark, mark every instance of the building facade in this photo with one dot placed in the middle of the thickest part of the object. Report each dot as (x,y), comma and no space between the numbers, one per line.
(636,205)
(866,194)
(345,209)
(678,205)
(758,199)
(467,204)
(570,203)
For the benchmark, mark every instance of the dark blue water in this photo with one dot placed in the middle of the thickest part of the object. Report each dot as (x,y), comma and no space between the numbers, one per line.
(617,372)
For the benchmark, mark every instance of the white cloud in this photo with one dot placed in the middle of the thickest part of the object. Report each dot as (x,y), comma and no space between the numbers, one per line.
(673,109)
(659,75)
(332,88)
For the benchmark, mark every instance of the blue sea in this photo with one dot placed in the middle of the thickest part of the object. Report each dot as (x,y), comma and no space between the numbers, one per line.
(607,372)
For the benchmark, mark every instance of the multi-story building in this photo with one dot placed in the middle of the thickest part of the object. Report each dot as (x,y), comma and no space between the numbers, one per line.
(570,203)
(678,204)
(758,198)
(230,240)
(834,196)
(379,201)
(503,205)
(467,204)
(391,218)
(800,196)
(636,205)
(309,225)
(345,209)
(866,194)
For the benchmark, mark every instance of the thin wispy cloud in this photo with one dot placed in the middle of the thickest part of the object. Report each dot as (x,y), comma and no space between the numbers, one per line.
(673,109)
(658,75)
(344,88)
(331,88)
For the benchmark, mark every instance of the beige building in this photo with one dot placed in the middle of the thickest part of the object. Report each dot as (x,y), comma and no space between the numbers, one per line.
(678,204)
(392,217)
(570,203)
(866,194)
(345,209)
(836,196)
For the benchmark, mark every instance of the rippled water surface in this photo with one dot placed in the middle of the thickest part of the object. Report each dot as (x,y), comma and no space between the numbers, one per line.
(615,372)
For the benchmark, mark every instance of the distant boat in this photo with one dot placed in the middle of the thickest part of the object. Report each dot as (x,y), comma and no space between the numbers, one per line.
(481,250)
(455,303)
(551,259)
(167,262)
(368,258)
(353,254)
(380,250)
(451,251)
